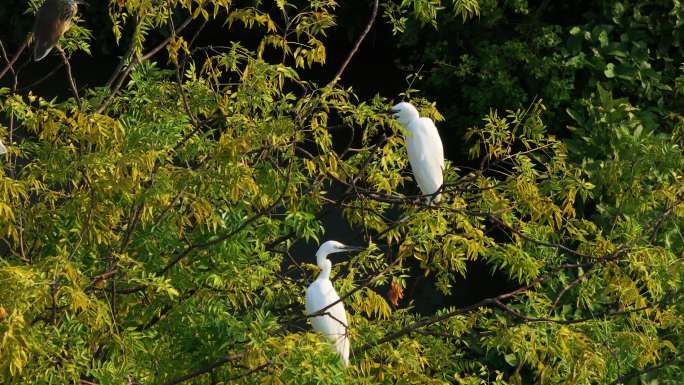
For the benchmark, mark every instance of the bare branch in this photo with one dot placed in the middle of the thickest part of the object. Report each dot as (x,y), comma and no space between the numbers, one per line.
(356,46)
(10,63)
(72,83)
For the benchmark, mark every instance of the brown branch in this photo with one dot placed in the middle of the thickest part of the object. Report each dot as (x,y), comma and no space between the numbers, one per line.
(220,362)
(656,226)
(10,63)
(184,98)
(439,318)
(525,318)
(506,226)
(166,41)
(356,46)
(572,284)
(103,107)
(44,78)
(328,314)
(127,55)
(253,370)
(216,241)
(636,373)
(426,322)
(72,83)
(108,101)
(166,310)
(229,235)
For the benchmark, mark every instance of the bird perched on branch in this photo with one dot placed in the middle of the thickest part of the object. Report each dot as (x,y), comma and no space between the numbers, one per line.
(332,321)
(424,147)
(52,21)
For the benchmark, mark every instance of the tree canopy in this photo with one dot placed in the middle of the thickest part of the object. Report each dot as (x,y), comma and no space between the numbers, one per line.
(148,221)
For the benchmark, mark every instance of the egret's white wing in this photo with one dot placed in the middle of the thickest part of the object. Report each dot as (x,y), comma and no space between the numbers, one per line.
(434,139)
(426,155)
(334,324)
(3,149)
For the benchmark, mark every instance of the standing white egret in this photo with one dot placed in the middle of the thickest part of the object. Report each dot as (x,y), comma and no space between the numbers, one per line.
(333,321)
(424,147)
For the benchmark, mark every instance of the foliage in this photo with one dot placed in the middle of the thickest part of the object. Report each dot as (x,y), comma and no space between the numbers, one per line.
(147,226)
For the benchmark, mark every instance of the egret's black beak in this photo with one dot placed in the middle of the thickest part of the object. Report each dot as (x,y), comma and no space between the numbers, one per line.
(354,248)
(392,111)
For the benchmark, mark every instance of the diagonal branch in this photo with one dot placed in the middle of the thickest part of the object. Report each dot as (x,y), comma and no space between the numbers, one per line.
(356,46)
(124,73)
(10,63)
(276,203)
(636,373)
(220,362)
(72,83)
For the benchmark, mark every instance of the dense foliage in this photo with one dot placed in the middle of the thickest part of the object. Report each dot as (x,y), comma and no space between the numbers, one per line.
(147,225)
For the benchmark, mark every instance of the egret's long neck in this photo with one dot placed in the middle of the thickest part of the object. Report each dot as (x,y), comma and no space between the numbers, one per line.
(325,265)
(406,121)
(408,116)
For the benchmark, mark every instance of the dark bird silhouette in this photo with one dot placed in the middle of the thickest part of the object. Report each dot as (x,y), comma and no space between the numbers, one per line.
(52,21)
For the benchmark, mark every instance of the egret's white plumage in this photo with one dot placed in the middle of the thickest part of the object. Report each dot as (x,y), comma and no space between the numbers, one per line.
(424,147)
(321,293)
(3,149)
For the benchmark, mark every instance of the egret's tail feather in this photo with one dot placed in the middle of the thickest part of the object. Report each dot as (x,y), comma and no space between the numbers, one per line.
(342,347)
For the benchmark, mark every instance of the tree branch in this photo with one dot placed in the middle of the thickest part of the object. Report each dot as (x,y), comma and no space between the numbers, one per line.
(122,77)
(10,63)
(356,46)
(220,362)
(72,83)
(636,373)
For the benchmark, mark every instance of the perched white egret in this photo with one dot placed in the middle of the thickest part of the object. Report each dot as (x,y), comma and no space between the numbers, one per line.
(424,147)
(333,321)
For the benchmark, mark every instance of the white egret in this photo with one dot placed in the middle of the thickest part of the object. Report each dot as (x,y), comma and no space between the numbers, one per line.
(332,322)
(3,149)
(424,147)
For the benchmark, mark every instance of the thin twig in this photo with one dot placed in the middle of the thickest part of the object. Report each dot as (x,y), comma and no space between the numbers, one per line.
(44,78)
(656,226)
(572,284)
(7,60)
(230,234)
(571,321)
(122,77)
(220,362)
(72,82)
(636,373)
(351,54)
(504,225)
(126,56)
(14,59)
